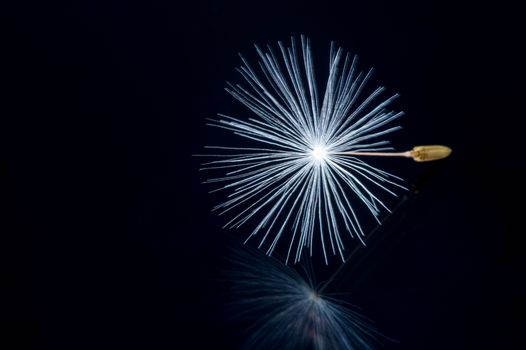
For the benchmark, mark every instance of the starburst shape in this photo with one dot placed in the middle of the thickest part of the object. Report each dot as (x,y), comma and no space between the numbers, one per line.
(299,173)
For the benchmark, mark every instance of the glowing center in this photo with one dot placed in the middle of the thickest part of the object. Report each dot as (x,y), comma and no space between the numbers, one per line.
(313,296)
(319,153)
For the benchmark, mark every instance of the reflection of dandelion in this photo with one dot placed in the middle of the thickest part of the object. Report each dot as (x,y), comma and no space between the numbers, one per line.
(289,311)
(298,178)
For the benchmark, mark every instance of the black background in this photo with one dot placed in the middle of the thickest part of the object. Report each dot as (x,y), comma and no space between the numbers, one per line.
(105,103)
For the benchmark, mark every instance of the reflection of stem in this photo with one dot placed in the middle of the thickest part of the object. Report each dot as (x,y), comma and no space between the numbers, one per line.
(358,247)
(418,153)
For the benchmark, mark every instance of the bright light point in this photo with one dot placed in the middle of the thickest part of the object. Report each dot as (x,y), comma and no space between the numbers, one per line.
(319,153)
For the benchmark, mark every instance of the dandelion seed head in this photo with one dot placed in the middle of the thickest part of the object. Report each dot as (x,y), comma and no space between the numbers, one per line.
(288,176)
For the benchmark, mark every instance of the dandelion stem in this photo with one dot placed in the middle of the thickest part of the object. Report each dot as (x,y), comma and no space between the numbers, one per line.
(418,153)
(378,154)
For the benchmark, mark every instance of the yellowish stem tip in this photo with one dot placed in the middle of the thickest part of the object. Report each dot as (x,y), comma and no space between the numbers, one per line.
(429,153)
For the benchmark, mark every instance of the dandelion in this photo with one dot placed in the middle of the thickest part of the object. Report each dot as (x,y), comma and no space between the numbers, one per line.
(301,178)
